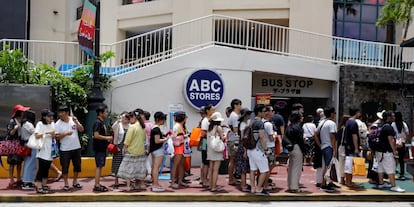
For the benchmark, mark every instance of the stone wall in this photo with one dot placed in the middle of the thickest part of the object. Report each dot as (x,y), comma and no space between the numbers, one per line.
(374,89)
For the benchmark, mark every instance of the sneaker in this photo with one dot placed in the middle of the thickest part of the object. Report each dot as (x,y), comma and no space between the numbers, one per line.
(332,185)
(383,186)
(327,189)
(397,189)
(262,193)
(28,186)
(157,189)
(402,177)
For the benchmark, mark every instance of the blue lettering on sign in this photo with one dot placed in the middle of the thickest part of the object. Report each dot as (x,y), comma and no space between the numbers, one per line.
(204,87)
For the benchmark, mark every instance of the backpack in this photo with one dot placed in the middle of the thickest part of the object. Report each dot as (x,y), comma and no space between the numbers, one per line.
(374,138)
(248,138)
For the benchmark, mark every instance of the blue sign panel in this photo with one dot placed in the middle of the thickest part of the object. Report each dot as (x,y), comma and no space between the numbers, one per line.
(204,87)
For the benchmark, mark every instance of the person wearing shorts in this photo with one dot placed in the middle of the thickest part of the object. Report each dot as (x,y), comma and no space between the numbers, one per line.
(270,135)
(67,128)
(257,155)
(387,154)
(351,143)
(327,142)
(157,140)
(100,144)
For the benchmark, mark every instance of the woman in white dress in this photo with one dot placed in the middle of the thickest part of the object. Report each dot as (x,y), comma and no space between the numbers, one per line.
(213,156)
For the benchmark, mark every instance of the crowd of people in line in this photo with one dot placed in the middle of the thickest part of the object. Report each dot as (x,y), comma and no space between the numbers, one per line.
(143,145)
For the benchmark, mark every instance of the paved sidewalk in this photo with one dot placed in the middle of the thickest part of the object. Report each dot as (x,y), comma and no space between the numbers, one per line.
(196,193)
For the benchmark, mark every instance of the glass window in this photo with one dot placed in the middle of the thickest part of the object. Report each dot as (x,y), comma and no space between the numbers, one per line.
(339,29)
(352,12)
(368,32)
(351,30)
(369,13)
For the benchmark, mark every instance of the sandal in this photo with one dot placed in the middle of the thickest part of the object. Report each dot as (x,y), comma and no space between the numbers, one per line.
(66,188)
(100,188)
(184,185)
(217,190)
(41,191)
(77,186)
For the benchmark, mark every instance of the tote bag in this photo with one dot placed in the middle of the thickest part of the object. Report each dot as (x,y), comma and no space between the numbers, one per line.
(35,143)
(217,144)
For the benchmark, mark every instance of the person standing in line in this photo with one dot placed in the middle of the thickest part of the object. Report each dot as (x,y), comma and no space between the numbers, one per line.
(215,158)
(14,133)
(30,162)
(270,135)
(309,129)
(45,129)
(387,154)
(205,122)
(148,126)
(67,128)
(257,155)
(317,157)
(120,128)
(352,144)
(233,138)
(326,141)
(179,134)
(157,140)
(339,142)
(133,164)
(242,162)
(401,134)
(294,133)
(101,140)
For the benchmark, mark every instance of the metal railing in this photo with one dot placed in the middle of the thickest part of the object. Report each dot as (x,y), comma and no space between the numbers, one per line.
(172,41)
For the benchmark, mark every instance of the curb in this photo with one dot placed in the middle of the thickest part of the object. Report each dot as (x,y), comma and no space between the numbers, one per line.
(184,197)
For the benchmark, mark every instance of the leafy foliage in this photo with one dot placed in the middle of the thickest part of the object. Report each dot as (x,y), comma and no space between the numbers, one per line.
(14,66)
(72,91)
(396,11)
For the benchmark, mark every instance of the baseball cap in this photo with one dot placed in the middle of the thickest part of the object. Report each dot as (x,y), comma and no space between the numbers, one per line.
(64,108)
(46,112)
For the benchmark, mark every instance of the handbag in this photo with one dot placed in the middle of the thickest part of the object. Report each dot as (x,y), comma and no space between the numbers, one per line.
(112,149)
(359,167)
(187,148)
(24,151)
(216,144)
(195,137)
(9,147)
(35,143)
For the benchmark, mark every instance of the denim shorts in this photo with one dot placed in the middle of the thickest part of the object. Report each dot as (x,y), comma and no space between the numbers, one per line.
(100,158)
(327,154)
(158,153)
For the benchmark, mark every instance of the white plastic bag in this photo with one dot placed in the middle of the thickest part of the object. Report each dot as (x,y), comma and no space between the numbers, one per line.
(169,148)
(187,148)
(334,176)
(35,143)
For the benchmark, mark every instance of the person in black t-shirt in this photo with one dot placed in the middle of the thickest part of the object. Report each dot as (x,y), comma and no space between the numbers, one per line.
(386,156)
(157,140)
(100,144)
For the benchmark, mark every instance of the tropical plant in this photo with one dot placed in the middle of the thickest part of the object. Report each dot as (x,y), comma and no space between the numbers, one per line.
(14,66)
(397,11)
(72,91)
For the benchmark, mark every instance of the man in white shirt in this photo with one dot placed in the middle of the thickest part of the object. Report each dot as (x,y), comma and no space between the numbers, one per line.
(327,142)
(270,142)
(67,128)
